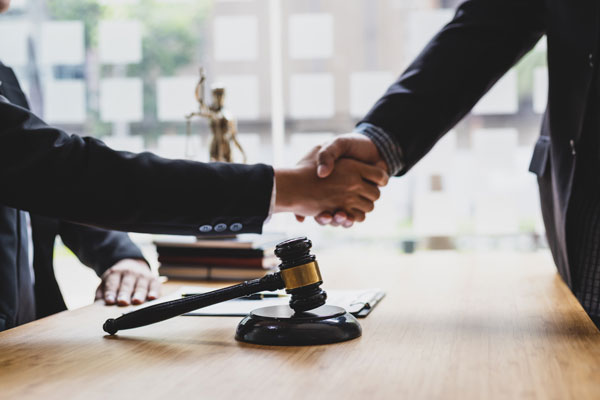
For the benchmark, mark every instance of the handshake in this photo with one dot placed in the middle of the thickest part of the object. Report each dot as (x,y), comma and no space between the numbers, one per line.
(337,183)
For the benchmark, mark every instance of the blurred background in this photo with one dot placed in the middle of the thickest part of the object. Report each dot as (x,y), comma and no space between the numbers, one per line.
(297,72)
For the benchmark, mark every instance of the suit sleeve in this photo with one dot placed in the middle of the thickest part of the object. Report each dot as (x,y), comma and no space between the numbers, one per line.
(98,248)
(48,172)
(458,66)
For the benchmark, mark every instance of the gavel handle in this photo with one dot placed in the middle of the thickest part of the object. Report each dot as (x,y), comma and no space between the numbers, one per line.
(173,308)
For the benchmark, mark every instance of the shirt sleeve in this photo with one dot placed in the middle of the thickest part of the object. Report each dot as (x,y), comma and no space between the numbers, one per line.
(386,144)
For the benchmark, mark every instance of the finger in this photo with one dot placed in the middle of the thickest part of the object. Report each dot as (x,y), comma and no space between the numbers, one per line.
(324,218)
(141,291)
(300,218)
(126,289)
(370,191)
(334,222)
(362,204)
(359,216)
(111,285)
(376,175)
(327,155)
(154,289)
(350,216)
(383,165)
(349,222)
(340,217)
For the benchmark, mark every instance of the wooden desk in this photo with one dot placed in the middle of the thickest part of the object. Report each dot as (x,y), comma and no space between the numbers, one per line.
(494,326)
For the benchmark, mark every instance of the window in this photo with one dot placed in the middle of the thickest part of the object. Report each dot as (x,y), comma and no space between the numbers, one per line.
(126,71)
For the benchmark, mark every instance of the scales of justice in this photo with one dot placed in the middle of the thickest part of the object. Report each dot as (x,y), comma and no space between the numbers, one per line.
(222,124)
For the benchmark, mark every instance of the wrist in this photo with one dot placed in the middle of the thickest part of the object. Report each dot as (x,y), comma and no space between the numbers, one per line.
(128,263)
(284,197)
(389,150)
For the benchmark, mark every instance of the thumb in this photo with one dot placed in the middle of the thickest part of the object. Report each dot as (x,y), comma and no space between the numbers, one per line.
(328,155)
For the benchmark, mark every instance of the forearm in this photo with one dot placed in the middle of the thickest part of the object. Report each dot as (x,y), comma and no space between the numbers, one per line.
(460,64)
(98,248)
(46,171)
(386,144)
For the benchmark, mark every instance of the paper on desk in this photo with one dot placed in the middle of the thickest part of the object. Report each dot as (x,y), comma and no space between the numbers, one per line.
(357,302)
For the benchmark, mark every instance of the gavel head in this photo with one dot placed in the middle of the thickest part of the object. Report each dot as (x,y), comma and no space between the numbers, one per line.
(300,274)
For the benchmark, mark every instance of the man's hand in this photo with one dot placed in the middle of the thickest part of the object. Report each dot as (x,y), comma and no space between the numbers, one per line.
(351,187)
(350,145)
(129,281)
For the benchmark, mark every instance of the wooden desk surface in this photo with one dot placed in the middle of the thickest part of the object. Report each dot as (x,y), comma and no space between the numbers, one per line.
(494,326)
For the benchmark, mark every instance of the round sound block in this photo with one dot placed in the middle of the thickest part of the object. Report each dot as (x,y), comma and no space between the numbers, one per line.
(282,326)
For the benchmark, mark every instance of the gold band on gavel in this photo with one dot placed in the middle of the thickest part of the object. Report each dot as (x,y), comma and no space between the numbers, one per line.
(301,275)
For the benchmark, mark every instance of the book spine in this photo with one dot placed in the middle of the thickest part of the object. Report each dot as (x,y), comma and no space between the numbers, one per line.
(229,253)
(209,273)
(258,263)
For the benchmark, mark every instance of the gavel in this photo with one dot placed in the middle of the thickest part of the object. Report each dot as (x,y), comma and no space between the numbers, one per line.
(298,274)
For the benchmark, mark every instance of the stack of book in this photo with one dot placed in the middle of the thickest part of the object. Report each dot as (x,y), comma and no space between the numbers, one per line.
(234,258)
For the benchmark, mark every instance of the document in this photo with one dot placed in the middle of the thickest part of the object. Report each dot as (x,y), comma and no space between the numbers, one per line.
(357,302)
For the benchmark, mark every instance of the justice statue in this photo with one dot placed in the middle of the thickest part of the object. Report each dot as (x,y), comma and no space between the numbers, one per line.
(222,124)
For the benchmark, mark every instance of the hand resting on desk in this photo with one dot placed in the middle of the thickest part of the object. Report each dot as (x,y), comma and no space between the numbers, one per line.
(129,281)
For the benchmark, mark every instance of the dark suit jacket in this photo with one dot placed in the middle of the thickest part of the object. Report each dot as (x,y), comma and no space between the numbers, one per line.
(462,62)
(49,173)
(93,184)
(97,248)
